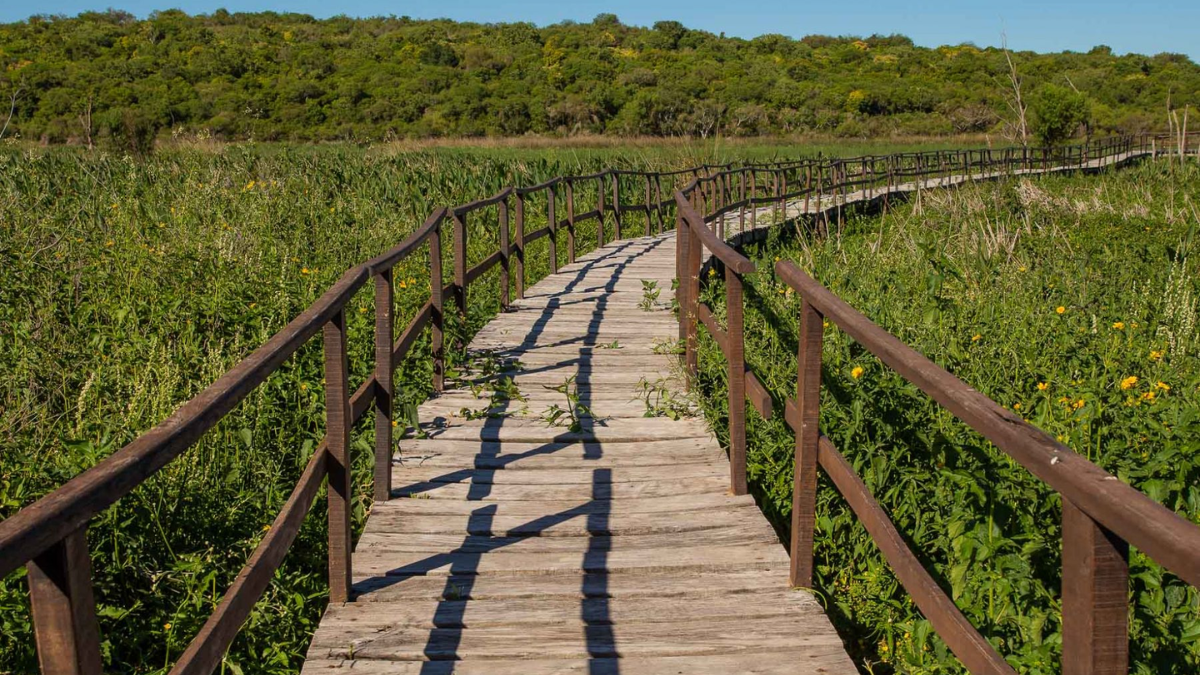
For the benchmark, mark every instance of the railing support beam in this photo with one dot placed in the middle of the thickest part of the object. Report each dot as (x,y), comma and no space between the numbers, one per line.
(64,608)
(1095,597)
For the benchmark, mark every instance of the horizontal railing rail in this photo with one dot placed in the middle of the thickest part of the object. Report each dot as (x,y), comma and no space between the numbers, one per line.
(1102,515)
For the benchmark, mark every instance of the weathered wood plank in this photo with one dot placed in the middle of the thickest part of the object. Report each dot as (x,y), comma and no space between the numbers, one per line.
(509,540)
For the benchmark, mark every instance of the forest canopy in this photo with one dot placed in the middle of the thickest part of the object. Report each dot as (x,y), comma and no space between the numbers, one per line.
(110,77)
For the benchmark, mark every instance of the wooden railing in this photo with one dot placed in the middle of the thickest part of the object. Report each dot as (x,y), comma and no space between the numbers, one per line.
(49,536)
(1101,517)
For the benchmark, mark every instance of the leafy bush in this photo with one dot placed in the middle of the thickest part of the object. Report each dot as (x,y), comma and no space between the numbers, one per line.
(1058,113)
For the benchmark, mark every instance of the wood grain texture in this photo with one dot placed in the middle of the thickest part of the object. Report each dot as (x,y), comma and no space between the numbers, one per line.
(1095,597)
(64,608)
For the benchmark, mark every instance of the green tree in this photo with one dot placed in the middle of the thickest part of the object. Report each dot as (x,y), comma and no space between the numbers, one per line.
(1058,112)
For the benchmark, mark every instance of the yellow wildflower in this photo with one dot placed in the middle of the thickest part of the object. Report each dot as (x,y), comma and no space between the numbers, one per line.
(303,270)
(110,242)
(976,337)
(303,386)
(857,372)
(166,626)
(1148,396)
(395,423)
(1078,404)
(712,272)
(1155,354)
(1042,386)
(1129,382)
(1163,386)
(250,185)
(253,305)
(1120,325)
(1016,406)
(1060,309)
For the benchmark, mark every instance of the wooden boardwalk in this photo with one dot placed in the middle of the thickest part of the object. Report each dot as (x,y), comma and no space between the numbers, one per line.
(515,546)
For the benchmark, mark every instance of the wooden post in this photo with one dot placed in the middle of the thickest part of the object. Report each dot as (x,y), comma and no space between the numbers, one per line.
(437,315)
(553,225)
(519,270)
(753,197)
(64,608)
(681,243)
(658,202)
(742,199)
(1095,592)
(570,222)
(692,270)
(808,435)
(600,211)
(337,433)
(736,360)
(384,384)
(649,209)
(616,205)
(505,251)
(460,262)
(783,190)
(820,188)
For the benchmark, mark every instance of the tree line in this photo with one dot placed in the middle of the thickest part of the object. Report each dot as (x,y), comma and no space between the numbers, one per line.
(108,77)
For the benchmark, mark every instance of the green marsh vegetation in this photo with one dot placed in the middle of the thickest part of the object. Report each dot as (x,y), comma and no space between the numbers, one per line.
(1071,300)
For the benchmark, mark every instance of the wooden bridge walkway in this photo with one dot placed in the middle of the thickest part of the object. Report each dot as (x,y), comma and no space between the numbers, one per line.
(518,547)
(540,523)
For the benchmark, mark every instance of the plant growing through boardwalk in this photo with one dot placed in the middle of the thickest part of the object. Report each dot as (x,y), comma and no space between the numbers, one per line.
(650,292)
(662,401)
(574,412)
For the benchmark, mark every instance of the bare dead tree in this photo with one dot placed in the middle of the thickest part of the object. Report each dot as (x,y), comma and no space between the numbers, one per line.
(85,121)
(1016,103)
(12,107)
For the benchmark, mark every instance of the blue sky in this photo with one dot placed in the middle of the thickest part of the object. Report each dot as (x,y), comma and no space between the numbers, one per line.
(1144,26)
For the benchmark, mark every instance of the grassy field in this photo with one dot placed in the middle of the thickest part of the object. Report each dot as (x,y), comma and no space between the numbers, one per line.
(1070,300)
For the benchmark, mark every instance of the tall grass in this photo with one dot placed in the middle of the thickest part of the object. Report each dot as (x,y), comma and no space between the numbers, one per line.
(1070,300)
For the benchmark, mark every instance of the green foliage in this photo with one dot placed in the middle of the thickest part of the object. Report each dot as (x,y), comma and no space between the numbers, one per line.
(270,76)
(974,279)
(1058,113)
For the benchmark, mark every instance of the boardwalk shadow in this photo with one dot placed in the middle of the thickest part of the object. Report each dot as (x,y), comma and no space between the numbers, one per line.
(484,532)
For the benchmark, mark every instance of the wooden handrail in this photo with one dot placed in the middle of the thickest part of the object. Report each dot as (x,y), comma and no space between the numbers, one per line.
(723,252)
(1101,515)
(36,527)
(1160,533)
(50,534)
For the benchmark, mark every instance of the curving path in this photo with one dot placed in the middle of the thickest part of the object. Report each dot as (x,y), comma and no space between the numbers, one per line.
(517,545)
